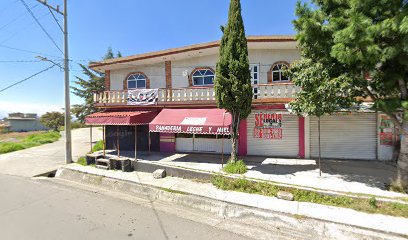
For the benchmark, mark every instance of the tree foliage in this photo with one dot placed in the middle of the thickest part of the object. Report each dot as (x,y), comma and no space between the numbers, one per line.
(362,46)
(53,120)
(233,77)
(85,88)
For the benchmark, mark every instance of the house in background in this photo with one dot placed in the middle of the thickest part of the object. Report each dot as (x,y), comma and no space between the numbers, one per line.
(165,101)
(25,122)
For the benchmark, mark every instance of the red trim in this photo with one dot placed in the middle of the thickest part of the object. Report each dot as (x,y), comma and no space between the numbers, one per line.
(301,137)
(120,118)
(243,138)
(266,107)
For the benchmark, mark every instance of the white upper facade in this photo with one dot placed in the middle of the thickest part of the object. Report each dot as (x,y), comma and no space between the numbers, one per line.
(265,53)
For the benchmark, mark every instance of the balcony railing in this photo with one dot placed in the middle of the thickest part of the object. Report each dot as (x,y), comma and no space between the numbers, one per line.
(199,94)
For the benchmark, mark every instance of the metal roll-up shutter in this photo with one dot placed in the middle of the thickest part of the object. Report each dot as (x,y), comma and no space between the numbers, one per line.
(288,146)
(345,136)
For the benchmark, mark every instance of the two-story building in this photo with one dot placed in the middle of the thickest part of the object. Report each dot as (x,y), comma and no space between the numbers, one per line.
(165,101)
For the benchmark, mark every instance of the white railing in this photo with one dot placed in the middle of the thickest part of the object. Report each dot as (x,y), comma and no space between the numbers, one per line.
(261,91)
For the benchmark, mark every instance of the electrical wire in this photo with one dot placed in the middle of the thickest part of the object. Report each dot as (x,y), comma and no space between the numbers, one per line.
(25,27)
(25,79)
(17,18)
(28,51)
(55,18)
(41,26)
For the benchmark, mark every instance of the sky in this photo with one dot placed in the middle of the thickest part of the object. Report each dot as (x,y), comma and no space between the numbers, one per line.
(128,26)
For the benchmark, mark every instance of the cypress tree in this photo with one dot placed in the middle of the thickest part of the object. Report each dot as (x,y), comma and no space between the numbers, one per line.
(233,77)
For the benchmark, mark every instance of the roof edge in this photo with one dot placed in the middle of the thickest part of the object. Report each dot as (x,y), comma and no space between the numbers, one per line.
(194,47)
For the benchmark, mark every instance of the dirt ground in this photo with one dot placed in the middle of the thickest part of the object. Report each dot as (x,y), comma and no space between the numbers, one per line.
(16,136)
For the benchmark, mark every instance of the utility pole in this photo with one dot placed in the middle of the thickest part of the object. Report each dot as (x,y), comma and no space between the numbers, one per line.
(68,142)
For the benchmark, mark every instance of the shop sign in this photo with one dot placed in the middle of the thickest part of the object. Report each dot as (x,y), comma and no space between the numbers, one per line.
(268,125)
(386,130)
(191,129)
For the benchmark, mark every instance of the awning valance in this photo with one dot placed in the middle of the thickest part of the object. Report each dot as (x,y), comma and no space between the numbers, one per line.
(120,118)
(197,121)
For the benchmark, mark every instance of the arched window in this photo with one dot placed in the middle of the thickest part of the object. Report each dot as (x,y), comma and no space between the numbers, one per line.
(277,74)
(203,77)
(136,80)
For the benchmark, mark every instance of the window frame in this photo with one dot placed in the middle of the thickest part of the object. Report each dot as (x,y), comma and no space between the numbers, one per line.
(279,71)
(202,77)
(136,80)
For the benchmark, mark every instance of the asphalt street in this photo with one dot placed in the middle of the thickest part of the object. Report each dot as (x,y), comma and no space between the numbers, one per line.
(45,209)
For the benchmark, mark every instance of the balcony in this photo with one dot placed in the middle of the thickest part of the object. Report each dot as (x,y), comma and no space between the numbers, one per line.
(263,93)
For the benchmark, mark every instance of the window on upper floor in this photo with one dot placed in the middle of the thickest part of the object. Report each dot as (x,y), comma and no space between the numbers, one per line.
(203,77)
(136,80)
(277,73)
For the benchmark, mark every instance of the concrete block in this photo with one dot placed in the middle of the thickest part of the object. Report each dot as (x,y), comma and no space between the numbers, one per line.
(285,195)
(159,173)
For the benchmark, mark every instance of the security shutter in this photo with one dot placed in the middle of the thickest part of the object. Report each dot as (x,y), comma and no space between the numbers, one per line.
(288,146)
(345,136)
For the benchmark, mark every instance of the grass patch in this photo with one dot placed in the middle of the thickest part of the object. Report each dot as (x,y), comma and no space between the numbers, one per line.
(82,161)
(238,167)
(98,146)
(32,140)
(365,205)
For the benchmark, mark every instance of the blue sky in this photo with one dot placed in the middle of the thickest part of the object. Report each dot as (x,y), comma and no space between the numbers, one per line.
(131,26)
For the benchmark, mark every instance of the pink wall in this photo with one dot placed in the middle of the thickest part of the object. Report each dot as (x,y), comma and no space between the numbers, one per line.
(301,137)
(243,138)
(167,142)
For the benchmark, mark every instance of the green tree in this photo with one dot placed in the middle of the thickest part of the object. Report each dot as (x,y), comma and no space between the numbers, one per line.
(53,120)
(353,39)
(233,77)
(320,93)
(86,87)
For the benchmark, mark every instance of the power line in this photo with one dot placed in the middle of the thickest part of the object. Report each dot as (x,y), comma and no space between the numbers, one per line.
(39,24)
(17,18)
(55,18)
(25,79)
(28,51)
(25,27)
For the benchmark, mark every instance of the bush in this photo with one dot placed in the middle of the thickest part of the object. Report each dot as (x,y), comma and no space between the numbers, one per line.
(82,161)
(238,167)
(98,146)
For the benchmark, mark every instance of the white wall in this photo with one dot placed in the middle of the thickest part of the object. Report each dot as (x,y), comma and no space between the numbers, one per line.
(156,72)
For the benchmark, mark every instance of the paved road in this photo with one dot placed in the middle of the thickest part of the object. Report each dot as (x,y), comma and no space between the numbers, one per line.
(44,209)
(37,160)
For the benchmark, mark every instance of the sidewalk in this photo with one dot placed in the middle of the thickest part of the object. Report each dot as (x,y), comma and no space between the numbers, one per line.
(183,192)
(357,177)
(48,157)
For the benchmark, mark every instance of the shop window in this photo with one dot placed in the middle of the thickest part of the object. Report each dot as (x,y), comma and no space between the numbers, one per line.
(277,73)
(137,80)
(203,77)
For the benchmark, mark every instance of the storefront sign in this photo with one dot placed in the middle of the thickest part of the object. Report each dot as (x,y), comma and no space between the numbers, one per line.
(191,129)
(142,97)
(268,125)
(386,130)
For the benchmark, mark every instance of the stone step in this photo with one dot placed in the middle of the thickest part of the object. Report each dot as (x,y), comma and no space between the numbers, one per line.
(102,160)
(102,167)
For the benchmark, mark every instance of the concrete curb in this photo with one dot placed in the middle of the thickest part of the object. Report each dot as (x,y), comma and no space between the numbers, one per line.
(188,173)
(295,220)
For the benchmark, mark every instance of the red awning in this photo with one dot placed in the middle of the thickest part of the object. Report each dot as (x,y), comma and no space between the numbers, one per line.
(120,118)
(198,121)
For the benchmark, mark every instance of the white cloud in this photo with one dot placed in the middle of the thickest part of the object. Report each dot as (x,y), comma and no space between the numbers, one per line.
(10,107)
